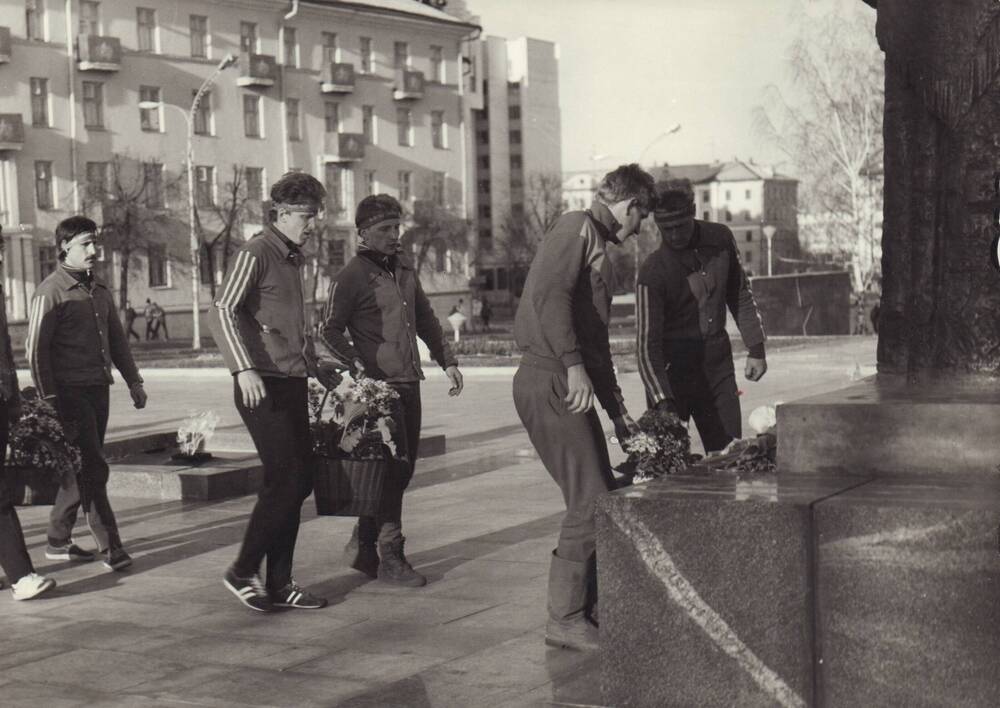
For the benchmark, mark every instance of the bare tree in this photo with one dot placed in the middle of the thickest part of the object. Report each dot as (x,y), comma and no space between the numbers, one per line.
(832,131)
(228,215)
(527,222)
(434,227)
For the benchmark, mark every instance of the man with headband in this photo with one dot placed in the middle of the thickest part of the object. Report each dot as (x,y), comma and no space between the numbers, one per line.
(561,327)
(74,338)
(685,287)
(259,323)
(378,300)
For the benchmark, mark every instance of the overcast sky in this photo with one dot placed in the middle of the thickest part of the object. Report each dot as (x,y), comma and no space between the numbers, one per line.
(629,69)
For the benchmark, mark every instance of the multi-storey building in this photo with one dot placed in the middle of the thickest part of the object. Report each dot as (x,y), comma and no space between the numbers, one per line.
(518,153)
(368,96)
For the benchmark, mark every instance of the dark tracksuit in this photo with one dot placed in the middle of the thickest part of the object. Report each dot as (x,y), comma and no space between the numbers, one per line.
(74,338)
(683,349)
(378,300)
(14,558)
(561,321)
(259,323)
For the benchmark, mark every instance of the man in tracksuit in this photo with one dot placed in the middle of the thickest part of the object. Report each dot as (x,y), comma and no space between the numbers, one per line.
(259,323)
(74,338)
(561,327)
(685,286)
(378,300)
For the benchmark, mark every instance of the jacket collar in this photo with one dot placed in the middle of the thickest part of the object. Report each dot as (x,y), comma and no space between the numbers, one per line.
(402,263)
(282,245)
(68,282)
(605,220)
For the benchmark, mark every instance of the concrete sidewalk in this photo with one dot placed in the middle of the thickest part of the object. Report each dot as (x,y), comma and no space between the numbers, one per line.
(480,523)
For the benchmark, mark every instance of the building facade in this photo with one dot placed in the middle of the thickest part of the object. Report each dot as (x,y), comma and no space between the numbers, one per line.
(367,96)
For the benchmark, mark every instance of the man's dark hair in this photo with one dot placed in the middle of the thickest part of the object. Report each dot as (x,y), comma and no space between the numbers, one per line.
(70,228)
(674,195)
(375,208)
(297,188)
(627,182)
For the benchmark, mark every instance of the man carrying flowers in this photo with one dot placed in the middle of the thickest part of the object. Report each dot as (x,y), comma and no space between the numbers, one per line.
(378,300)
(561,327)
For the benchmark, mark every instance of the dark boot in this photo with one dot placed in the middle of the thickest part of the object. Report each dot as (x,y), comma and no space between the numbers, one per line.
(360,552)
(568,626)
(394,568)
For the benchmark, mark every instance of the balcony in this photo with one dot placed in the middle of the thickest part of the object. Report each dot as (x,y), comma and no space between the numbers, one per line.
(343,147)
(98,53)
(409,85)
(4,45)
(339,78)
(257,70)
(11,131)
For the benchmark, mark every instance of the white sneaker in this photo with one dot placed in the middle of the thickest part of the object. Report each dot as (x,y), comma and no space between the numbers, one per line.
(31,585)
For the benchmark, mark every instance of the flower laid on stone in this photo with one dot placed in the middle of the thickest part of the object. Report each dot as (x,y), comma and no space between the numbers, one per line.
(661,447)
(754,456)
(38,440)
(355,420)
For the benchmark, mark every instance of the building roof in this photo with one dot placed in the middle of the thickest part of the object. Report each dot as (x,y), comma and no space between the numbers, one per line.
(411,8)
(732,171)
(697,174)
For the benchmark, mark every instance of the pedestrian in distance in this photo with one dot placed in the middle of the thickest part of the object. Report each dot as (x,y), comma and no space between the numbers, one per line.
(485,314)
(25,583)
(259,323)
(377,299)
(149,314)
(684,290)
(74,338)
(160,321)
(561,327)
(874,317)
(130,315)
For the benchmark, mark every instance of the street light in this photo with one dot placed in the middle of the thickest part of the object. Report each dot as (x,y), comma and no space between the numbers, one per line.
(769,232)
(670,131)
(195,242)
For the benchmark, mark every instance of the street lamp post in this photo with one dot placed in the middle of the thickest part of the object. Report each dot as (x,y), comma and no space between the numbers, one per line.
(769,232)
(195,242)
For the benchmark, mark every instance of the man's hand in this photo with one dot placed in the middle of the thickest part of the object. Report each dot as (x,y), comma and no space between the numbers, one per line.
(455,376)
(357,368)
(755,368)
(580,398)
(668,405)
(252,387)
(625,427)
(328,376)
(138,394)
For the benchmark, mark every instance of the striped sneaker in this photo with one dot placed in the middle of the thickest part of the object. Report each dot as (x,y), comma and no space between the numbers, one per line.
(250,591)
(293,596)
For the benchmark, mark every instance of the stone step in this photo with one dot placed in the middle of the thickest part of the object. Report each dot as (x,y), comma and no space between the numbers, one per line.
(154,476)
(237,439)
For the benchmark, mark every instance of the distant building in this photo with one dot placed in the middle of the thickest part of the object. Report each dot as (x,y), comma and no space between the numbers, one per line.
(579,189)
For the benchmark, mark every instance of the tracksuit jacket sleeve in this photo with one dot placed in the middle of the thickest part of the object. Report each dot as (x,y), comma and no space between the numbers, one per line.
(336,315)
(429,330)
(243,276)
(739,298)
(38,346)
(649,340)
(562,256)
(121,355)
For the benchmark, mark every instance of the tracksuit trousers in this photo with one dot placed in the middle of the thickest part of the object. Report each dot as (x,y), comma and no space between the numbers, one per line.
(279,427)
(14,558)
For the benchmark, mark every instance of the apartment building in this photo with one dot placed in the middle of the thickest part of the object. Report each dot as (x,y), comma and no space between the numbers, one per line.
(368,96)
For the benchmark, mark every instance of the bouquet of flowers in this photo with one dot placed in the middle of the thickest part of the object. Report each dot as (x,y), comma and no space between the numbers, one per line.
(39,442)
(661,447)
(754,456)
(358,421)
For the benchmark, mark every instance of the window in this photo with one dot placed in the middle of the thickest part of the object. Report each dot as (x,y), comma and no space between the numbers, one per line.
(368,127)
(291,47)
(292,119)
(705,197)
(483,137)
(748,194)
(367,56)
(336,253)
(248,37)
(203,114)
(90,17)
(515,162)
(514,112)
(43,185)
(204,186)
(149,118)
(437,64)
(199,35)
(404,127)
(47,261)
(437,188)
(39,102)
(485,211)
(331,117)
(336,182)
(93,104)
(34,19)
(371,183)
(706,216)
(153,174)
(729,195)
(729,215)
(254,177)
(748,257)
(405,186)
(251,116)
(330,53)
(486,241)
(439,129)
(484,162)
(157,255)
(749,236)
(515,137)
(401,55)
(145,24)
(484,186)
(98,181)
